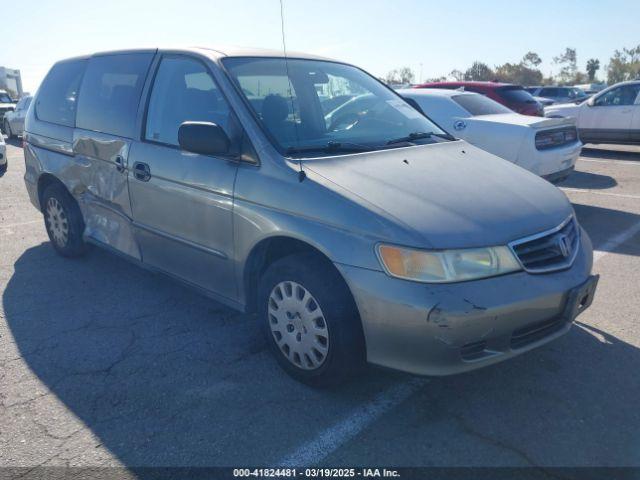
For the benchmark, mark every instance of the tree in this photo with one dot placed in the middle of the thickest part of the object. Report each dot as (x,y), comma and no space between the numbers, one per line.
(624,65)
(457,75)
(531,60)
(593,65)
(400,76)
(518,73)
(479,72)
(568,61)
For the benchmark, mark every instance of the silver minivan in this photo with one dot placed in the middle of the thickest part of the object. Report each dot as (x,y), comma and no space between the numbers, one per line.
(374,236)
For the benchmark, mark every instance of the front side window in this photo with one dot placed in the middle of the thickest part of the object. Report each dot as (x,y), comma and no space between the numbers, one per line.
(623,95)
(58,95)
(307,104)
(477,105)
(183,90)
(110,93)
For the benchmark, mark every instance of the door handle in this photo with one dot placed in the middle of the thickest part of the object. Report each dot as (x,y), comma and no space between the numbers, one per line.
(119,163)
(141,171)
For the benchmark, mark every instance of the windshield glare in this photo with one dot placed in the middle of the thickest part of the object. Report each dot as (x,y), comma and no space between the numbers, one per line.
(308,103)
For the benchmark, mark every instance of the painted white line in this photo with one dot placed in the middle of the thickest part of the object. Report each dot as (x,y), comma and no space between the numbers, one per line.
(633,163)
(614,242)
(20,224)
(597,192)
(314,451)
(6,230)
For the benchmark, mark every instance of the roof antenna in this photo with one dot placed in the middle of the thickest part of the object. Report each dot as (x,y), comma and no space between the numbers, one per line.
(301,174)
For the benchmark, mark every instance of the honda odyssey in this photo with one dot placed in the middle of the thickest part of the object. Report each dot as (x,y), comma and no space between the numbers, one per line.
(373,236)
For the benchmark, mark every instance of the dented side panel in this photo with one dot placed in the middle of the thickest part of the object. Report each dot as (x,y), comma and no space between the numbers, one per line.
(99,182)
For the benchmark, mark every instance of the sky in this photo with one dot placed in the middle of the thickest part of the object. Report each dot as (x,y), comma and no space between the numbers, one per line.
(430,37)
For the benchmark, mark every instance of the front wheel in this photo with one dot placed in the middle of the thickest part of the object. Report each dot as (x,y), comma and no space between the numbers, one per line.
(311,320)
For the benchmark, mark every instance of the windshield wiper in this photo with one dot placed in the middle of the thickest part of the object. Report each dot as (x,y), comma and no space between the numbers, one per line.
(418,136)
(330,147)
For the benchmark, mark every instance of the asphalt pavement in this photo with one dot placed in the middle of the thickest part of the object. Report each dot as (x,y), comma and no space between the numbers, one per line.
(105,364)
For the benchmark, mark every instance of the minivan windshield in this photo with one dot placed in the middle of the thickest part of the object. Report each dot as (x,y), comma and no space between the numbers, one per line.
(326,107)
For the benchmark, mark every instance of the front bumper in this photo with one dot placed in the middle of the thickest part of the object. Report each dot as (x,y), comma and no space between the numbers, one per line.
(451,328)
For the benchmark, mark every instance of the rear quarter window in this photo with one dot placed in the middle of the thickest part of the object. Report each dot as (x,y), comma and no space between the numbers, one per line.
(110,93)
(58,95)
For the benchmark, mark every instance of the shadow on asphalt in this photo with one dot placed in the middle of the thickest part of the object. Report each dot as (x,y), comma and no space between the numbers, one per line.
(161,375)
(609,154)
(588,180)
(603,224)
(164,377)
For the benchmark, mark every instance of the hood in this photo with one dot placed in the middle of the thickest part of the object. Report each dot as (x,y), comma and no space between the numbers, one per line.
(524,120)
(570,110)
(450,194)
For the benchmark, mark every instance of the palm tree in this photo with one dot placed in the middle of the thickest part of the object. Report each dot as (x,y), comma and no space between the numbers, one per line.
(593,65)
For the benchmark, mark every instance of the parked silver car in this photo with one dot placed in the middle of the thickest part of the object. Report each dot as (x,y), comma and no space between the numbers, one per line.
(559,94)
(13,123)
(373,236)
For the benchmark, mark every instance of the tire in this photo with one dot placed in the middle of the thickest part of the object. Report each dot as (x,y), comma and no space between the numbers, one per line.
(302,327)
(63,221)
(7,130)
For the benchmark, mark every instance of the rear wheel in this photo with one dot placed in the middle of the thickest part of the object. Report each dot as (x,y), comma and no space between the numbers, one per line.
(310,320)
(63,221)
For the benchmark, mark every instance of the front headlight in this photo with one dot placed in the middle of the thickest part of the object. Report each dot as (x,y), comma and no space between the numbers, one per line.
(445,266)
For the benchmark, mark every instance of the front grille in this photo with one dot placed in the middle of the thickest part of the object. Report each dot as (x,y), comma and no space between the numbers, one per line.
(548,251)
(556,137)
(532,333)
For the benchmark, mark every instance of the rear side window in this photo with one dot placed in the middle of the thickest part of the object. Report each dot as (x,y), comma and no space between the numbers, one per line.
(110,93)
(480,105)
(516,94)
(58,95)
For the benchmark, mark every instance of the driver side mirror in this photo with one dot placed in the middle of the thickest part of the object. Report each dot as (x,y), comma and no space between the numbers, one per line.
(205,138)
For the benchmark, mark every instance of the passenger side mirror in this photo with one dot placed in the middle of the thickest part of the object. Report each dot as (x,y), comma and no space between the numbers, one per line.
(205,138)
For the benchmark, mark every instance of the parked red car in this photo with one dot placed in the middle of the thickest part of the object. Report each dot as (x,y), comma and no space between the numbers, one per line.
(514,97)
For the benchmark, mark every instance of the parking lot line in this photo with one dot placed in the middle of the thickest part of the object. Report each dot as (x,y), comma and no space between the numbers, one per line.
(314,451)
(620,162)
(614,242)
(596,192)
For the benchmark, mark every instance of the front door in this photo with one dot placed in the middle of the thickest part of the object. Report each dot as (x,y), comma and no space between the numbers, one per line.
(183,202)
(609,117)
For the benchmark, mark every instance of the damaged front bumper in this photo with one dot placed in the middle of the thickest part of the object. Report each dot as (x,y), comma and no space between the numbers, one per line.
(431,329)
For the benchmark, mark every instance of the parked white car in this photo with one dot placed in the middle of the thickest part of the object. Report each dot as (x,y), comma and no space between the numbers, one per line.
(13,123)
(3,156)
(611,116)
(547,147)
